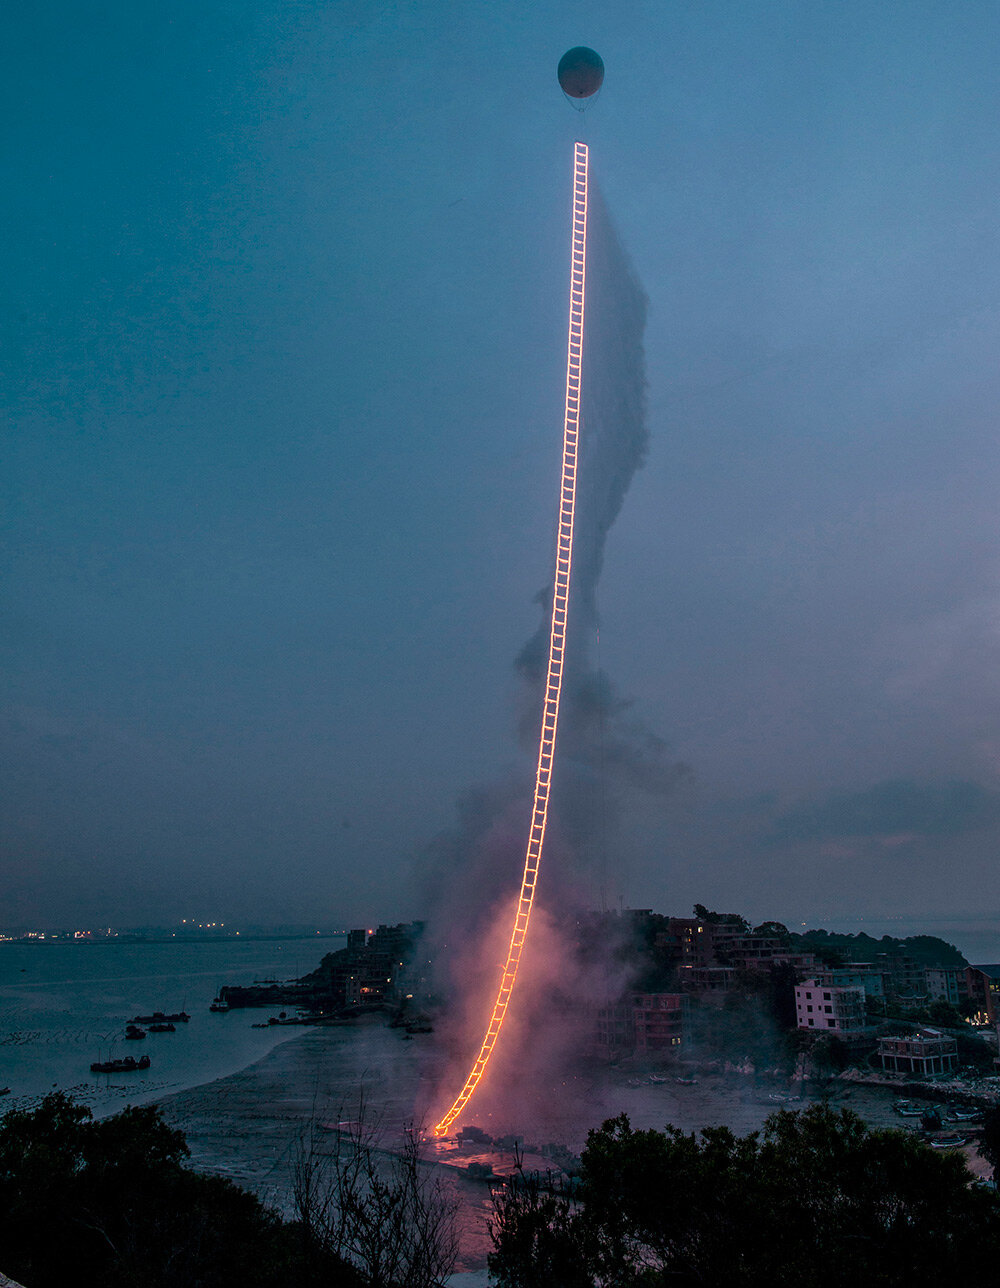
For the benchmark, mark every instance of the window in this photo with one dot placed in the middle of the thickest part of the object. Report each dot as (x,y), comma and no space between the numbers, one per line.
(809,995)
(826,997)
(808,1008)
(811,1023)
(831,1024)
(828,1009)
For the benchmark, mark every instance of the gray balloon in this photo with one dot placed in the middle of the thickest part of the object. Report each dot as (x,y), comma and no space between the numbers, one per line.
(581,72)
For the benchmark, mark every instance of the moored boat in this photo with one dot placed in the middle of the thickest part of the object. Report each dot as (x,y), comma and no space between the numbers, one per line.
(126,1064)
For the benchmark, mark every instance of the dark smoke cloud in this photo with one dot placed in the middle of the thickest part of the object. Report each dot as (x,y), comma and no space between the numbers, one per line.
(604,750)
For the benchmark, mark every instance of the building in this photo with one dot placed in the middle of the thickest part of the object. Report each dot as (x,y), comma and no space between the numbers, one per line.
(946,984)
(983,986)
(615,1030)
(826,1008)
(710,983)
(657,1021)
(903,977)
(926,1053)
(641,1023)
(704,943)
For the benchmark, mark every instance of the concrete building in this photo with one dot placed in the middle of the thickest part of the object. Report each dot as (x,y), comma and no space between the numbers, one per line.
(925,1053)
(615,1030)
(826,1008)
(641,1023)
(946,984)
(983,985)
(903,976)
(658,1022)
(710,983)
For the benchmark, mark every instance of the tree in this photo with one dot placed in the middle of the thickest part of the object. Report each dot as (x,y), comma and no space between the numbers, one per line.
(773,930)
(721,918)
(989,1140)
(816,1198)
(375,1208)
(532,1233)
(944,1014)
(112,1203)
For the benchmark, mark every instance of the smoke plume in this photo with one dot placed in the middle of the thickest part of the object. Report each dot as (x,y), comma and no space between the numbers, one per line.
(604,753)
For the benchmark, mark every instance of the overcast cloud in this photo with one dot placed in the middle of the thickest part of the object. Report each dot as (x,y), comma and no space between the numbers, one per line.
(282,337)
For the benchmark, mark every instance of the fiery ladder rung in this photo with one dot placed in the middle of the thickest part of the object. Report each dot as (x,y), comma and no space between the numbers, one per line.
(557,636)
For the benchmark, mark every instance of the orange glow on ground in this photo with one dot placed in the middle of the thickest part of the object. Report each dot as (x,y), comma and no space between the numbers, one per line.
(557,638)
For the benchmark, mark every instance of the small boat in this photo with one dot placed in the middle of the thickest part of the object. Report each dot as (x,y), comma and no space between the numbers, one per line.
(4,1091)
(907,1110)
(134,1034)
(162,1028)
(948,1142)
(160,1017)
(686,1082)
(219,1005)
(127,1064)
(656,1078)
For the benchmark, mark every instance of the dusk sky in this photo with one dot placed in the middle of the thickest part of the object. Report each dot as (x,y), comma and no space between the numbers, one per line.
(282,332)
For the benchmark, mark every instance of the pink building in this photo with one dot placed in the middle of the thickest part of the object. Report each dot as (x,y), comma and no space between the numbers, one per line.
(824,1008)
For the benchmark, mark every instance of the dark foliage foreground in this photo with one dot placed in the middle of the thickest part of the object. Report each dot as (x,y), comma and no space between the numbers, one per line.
(816,1199)
(110,1203)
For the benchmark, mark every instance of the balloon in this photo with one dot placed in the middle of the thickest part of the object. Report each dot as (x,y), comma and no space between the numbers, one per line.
(581,72)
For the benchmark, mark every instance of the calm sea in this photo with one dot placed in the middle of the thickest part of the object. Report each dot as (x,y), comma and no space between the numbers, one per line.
(65,1005)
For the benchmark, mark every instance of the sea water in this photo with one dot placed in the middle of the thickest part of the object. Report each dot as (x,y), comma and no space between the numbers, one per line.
(977,938)
(64,1005)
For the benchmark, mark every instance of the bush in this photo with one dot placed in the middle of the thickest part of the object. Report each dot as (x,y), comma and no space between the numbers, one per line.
(111,1203)
(817,1198)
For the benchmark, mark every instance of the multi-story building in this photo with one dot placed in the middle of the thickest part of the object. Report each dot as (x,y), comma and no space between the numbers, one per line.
(643,1023)
(903,976)
(704,943)
(657,1021)
(946,984)
(983,985)
(805,964)
(926,1052)
(710,983)
(837,1012)
(853,975)
(614,1033)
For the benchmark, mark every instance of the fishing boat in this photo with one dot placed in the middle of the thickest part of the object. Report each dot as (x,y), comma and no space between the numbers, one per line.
(127,1064)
